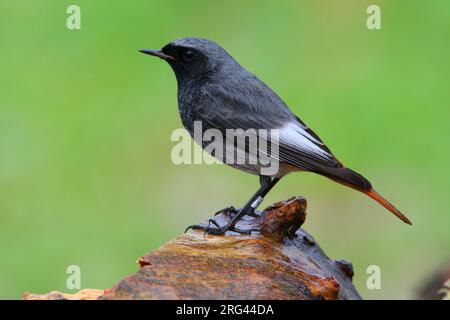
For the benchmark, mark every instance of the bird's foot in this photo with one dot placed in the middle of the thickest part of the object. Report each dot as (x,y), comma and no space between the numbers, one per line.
(231,211)
(219,230)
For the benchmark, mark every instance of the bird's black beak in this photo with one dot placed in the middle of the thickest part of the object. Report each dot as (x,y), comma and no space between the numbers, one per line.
(157,53)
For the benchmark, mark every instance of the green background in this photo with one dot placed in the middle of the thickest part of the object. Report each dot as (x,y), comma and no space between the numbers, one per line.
(85,122)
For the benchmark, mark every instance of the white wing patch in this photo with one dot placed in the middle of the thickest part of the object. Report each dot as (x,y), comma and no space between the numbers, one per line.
(294,137)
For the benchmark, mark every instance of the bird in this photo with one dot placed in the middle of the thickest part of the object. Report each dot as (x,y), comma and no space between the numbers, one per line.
(216,90)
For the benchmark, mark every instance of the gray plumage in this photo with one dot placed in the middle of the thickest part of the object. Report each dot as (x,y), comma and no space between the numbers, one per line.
(216,90)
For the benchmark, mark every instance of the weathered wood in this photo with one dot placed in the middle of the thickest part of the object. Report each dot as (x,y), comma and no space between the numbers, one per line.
(279,262)
(86,294)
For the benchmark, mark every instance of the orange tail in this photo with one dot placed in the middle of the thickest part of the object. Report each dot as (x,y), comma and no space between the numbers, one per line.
(374,195)
(354,180)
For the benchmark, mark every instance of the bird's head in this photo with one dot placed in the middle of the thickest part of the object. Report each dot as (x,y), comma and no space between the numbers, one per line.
(192,58)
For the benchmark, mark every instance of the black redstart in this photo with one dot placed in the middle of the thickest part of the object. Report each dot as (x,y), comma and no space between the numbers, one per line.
(216,90)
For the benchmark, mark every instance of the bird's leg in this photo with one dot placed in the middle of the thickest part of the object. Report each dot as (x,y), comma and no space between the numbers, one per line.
(231,210)
(265,181)
(266,185)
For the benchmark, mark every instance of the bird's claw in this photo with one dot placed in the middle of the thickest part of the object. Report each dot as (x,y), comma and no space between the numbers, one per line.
(218,230)
(231,211)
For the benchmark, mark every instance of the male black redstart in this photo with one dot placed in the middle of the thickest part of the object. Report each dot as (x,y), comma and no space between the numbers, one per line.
(215,89)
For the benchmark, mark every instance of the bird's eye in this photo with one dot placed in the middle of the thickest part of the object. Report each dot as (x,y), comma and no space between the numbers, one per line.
(189,55)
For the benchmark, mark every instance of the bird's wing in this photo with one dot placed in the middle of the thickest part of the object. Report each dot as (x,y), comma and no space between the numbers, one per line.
(301,147)
(261,108)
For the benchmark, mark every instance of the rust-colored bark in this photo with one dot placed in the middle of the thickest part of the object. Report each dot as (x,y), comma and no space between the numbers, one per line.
(280,262)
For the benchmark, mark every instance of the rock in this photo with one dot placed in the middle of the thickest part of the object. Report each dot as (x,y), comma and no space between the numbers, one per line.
(279,262)
(85,294)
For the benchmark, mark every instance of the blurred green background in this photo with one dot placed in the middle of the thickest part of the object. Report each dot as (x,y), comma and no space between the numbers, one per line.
(85,123)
